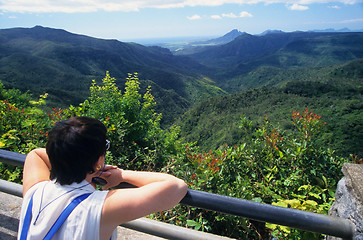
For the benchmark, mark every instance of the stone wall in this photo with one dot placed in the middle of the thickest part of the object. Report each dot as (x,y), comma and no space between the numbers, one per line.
(349,198)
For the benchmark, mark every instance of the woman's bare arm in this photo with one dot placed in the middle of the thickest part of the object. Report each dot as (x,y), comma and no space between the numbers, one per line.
(36,168)
(155,192)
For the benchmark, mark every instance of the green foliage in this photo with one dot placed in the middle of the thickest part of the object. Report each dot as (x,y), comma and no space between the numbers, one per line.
(307,200)
(23,129)
(336,99)
(137,140)
(23,126)
(285,168)
(15,96)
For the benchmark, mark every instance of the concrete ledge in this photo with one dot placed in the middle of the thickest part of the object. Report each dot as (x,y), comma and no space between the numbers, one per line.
(9,216)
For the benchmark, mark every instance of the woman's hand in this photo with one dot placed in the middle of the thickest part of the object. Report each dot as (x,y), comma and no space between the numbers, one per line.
(154,192)
(113,176)
(97,178)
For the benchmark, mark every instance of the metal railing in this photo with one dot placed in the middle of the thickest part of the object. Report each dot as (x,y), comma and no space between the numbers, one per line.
(293,218)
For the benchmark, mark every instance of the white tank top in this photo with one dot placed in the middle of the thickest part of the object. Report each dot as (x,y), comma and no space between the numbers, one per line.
(49,201)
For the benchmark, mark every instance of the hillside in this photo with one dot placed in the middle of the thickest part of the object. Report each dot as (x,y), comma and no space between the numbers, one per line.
(275,59)
(251,48)
(333,92)
(271,74)
(63,64)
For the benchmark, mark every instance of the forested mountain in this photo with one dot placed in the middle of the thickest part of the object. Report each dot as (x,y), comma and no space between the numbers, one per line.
(253,61)
(63,64)
(274,48)
(226,38)
(273,73)
(201,46)
(335,92)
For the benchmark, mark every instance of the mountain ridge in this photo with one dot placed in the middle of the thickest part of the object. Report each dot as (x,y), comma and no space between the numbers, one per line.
(251,75)
(247,46)
(44,59)
(226,38)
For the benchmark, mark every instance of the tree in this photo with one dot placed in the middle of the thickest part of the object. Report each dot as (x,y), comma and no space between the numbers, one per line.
(137,140)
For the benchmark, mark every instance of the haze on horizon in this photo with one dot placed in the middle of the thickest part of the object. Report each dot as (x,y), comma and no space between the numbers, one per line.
(148,19)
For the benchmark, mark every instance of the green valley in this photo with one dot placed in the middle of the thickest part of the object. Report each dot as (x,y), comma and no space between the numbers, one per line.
(205,90)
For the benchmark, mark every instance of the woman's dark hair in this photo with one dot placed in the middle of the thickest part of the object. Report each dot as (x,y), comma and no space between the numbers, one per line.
(74,146)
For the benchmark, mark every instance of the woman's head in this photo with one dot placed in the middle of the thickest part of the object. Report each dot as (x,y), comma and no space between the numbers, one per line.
(74,147)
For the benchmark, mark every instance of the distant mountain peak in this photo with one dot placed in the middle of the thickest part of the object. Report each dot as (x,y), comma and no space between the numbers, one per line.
(269,31)
(234,33)
(226,38)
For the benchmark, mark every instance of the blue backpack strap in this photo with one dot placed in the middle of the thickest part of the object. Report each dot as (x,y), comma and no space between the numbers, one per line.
(27,219)
(58,223)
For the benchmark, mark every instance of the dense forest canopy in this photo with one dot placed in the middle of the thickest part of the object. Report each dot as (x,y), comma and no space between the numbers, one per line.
(315,70)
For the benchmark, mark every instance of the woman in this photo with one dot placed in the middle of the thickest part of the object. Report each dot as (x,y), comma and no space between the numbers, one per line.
(56,177)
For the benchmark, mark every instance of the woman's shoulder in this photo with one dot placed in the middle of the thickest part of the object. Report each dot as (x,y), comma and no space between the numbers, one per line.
(98,196)
(35,187)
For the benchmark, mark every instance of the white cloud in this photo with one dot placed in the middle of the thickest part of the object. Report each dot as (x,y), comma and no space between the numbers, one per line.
(66,6)
(245,14)
(335,7)
(194,17)
(229,15)
(71,6)
(215,17)
(297,7)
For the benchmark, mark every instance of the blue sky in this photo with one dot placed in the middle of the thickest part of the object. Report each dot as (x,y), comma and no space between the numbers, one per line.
(138,19)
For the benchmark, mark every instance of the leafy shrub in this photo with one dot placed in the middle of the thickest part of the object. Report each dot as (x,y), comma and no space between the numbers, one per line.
(23,126)
(137,140)
(290,169)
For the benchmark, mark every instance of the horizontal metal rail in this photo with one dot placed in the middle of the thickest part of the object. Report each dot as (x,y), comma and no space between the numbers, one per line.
(293,218)
(12,158)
